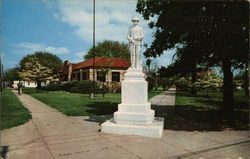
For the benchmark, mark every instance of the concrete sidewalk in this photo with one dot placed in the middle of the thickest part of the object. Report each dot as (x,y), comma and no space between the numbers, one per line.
(166,98)
(50,135)
(164,102)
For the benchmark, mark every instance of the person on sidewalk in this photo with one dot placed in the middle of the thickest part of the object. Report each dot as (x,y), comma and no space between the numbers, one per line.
(19,86)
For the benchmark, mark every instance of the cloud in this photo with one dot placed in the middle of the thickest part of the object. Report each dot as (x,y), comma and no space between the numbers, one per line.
(112,18)
(166,58)
(28,47)
(78,57)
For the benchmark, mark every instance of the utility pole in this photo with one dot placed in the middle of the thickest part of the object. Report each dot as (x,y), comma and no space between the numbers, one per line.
(1,74)
(93,87)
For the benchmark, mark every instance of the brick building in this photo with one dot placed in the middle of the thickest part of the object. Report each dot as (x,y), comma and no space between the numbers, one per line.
(115,68)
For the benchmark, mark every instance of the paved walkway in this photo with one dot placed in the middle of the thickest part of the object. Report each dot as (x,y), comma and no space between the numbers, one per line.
(52,135)
(164,102)
(166,98)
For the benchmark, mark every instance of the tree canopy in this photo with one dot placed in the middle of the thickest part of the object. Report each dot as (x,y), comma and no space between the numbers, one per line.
(11,74)
(210,32)
(108,48)
(46,59)
(33,71)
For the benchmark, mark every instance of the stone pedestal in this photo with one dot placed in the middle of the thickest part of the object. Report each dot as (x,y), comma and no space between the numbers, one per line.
(134,115)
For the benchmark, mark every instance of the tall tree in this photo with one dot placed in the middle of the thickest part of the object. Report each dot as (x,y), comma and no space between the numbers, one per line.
(214,31)
(33,71)
(11,74)
(46,59)
(108,48)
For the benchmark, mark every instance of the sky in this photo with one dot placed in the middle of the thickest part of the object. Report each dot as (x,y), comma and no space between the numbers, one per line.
(65,27)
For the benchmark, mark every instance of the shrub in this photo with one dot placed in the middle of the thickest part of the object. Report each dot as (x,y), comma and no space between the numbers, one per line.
(68,85)
(105,89)
(152,82)
(118,90)
(183,84)
(86,86)
(165,83)
(75,90)
(52,87)
(115,87)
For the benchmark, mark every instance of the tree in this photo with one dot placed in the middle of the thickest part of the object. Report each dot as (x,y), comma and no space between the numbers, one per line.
(150,68)
(46,59)
(104,69)
(208,81)
(214,31)
(33,71)
(11,74)
(112,49)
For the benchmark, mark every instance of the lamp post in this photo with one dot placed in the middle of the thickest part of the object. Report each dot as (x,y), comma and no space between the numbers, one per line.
(93,86)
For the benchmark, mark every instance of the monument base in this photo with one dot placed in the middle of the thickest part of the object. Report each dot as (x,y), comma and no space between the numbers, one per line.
(154,130)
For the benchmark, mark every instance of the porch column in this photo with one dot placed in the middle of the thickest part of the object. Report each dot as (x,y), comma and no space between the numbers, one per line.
(80,74)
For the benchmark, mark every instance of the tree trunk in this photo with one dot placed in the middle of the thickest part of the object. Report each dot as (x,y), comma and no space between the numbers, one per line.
(228,97)
(38,86)
(103,91)
(193,80)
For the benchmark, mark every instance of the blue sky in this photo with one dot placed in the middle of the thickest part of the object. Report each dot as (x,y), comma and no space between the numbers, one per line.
(64,27)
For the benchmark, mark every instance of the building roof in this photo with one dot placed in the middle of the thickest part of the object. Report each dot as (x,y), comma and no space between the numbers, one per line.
(99,62)
(103,61)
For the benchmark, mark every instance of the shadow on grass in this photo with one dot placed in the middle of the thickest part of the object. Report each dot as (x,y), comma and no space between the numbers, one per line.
(181,117)
(102,108)
(190,118)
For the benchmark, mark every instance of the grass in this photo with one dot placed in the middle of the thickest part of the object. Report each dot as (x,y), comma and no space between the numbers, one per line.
(153,93)
(201,112)
(13,113)
(75,104)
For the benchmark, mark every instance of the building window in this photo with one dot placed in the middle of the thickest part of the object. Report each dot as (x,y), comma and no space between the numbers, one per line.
(116,76)
(84,75)
(78,76)
(101,77)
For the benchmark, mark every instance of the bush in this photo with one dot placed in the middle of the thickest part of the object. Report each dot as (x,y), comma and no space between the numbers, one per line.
(105,89)
(115,87)
(165,83)
(152,82)
(86,86)
(118,90)
(52,87)
(75,90)
(68,85)
(183,84)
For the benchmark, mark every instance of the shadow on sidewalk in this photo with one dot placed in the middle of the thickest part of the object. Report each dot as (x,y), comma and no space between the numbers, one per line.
(3,151)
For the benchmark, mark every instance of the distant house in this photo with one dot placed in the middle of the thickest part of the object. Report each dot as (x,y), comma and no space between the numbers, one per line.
(203,71)
(30,84)
(116,68)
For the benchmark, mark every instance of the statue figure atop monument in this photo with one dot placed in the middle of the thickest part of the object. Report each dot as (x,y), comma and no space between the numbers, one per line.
(135,36)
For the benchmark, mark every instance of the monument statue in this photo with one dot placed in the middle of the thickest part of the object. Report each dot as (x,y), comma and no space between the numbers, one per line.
(134,115)
(135,36)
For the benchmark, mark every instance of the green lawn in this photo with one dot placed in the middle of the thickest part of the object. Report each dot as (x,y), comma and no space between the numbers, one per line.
(155,92)
(202,112)
(75,104)
(13,113)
